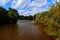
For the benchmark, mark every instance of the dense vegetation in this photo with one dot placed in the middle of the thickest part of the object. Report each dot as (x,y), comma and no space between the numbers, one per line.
(8,16)
(21,17)
(50,18)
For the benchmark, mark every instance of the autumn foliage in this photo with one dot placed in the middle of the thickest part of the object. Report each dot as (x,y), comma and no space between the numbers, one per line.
(50,18)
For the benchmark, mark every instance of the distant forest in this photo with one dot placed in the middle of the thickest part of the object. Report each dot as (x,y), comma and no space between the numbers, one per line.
(21,17)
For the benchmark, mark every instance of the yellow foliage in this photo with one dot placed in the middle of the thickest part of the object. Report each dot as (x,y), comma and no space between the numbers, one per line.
(51,18)
(51,31)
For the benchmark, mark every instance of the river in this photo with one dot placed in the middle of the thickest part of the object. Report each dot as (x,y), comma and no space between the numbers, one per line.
(23,30)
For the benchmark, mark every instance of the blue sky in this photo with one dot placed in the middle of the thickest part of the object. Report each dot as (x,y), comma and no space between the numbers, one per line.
(27,7)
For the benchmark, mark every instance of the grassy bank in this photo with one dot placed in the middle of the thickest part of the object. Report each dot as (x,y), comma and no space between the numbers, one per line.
(50,18)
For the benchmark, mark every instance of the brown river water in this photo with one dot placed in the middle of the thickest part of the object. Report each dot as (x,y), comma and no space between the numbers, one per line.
(23,30)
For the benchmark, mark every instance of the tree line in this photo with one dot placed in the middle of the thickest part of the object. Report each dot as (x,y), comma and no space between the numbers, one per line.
(21,17)
(50,18)
(8,16)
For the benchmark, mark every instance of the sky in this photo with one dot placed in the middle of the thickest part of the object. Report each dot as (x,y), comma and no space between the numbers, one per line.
(27,7)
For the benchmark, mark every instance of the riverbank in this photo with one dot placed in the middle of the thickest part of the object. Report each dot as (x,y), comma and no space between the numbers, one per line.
(51,18)
(48,31)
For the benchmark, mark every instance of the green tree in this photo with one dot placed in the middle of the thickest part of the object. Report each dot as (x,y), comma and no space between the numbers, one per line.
(8,16)
(13,15)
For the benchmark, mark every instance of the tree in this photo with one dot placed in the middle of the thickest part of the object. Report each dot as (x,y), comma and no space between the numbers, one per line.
(51,18)
(13,15)
(8,16)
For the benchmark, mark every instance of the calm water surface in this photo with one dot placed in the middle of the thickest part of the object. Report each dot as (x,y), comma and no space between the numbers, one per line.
(23,30)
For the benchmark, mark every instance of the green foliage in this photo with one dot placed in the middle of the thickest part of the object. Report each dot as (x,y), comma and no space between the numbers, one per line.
(7,16)
(21,17)
(12,13)
(50,18)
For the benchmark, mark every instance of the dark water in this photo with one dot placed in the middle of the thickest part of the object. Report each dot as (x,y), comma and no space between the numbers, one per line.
(23,30)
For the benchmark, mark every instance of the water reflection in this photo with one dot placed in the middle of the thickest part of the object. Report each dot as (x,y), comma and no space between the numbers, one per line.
(23,30)
(8,32)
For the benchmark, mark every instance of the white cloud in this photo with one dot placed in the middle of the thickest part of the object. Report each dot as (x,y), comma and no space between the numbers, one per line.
(34,11)
(19,3)
(39,2)
(20,12)
(3,2)
(35,6)
(24,12)
(22,3)
(16,3)
(58,0)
